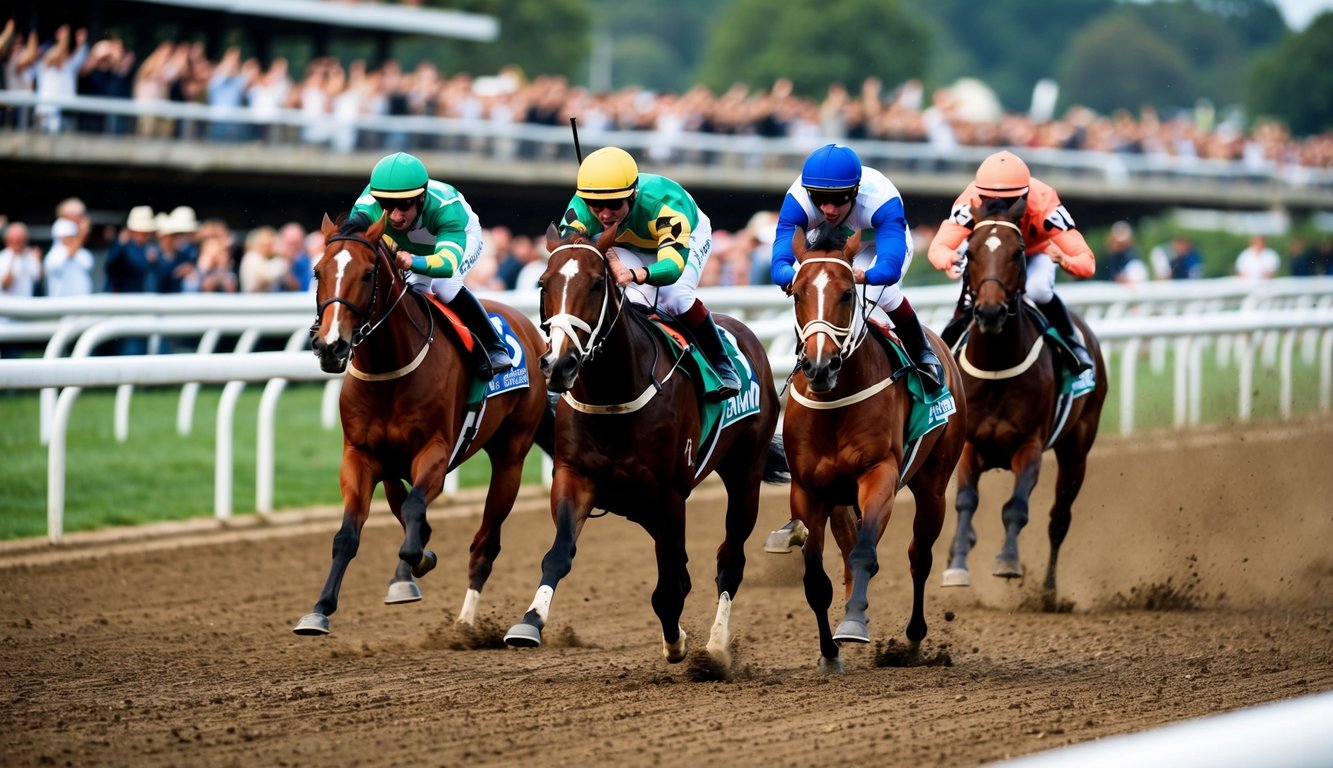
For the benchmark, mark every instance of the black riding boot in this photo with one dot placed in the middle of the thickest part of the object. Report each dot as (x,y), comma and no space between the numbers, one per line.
(908,328)
(709,339)
(962,315)
(1058,316)
(494,355)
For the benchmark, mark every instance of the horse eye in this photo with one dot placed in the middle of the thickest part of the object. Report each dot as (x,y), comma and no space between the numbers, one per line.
(848,295)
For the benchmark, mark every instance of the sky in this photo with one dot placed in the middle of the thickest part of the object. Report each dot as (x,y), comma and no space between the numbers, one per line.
(1299,13)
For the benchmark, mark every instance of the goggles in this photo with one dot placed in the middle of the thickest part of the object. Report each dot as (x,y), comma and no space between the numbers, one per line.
(396,203)
(822,197)
(614,205)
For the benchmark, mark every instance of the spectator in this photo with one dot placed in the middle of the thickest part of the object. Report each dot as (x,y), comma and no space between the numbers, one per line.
(532,252)
(132,260)
(314,251)
(1257,261)
(175,269)
(57,74)
(68,265)
(1323,259)
(1122,263)
(262,266)
(215,271)
(1300,259)
(297,270)
(20,272)
(1179,261)
(762,228)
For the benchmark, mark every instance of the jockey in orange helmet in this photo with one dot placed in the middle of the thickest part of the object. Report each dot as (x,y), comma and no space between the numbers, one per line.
(1049,234)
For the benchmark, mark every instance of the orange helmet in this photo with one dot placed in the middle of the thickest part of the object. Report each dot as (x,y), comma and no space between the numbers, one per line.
(1003,174)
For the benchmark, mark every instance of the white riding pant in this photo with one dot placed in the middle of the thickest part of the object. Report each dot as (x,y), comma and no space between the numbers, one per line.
(886,297)
(679,296)
(448,287)
(1041,278)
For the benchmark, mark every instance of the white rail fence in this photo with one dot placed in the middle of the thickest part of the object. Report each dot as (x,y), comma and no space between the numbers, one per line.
(1236,318)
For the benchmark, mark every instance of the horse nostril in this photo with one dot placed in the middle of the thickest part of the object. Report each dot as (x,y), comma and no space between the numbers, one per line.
(835,364)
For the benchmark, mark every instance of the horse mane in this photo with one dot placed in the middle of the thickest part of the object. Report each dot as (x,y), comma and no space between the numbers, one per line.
(995,206)
(828,237)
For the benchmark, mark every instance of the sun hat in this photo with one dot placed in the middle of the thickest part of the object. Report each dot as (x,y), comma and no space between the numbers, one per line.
(181,221)
(141,219)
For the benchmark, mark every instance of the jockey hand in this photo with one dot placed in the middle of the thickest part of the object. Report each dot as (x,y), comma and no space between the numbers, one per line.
(1058,256)
(404,260)
(623,275)
(955,268)
(859,276)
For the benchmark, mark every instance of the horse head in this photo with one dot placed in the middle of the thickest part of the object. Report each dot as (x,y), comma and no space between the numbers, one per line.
(579,302)
(996,263)
(828,309)
(348,289)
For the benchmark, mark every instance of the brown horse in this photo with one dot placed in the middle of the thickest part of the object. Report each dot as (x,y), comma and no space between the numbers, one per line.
(628,438)
(1014,403)
(405,416)
(845,433)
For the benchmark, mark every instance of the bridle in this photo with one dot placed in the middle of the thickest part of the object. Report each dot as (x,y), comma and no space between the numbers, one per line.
(848,337)
(568,323)
(1012,298)
(364,314)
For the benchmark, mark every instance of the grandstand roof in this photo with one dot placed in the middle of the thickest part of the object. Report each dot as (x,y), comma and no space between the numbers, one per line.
(368,16)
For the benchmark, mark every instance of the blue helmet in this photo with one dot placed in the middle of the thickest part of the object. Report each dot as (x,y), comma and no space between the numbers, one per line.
(831,167)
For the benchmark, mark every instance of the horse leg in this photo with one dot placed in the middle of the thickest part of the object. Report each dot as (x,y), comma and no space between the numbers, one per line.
(506,475)
(818,588)
(875,491)
(667,527)
(1072,466)
(402,586)
(928,491)
(428,469)
(571,502)
(969,472)
(1026,466)
(357,478)
(844,522)
(742,483)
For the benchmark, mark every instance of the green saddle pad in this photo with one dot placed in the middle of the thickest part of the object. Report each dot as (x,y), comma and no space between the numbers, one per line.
(717,415)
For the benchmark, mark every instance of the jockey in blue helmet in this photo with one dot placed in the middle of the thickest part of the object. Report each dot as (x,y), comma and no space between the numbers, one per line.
(835,188)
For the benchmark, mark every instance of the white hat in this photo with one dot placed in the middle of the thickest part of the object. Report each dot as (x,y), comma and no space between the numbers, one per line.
(181,220)
(141,219)
(64,228)
(160,223)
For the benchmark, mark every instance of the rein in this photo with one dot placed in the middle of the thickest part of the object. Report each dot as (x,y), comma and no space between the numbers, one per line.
(1011,299)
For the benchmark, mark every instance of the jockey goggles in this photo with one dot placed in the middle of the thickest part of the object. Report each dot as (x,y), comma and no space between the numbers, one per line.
(614,204)
(821,197)
(396,203)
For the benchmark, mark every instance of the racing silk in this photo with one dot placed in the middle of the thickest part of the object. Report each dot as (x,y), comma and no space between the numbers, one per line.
(438,237)
(657,227)
(1045,222)
(878,206)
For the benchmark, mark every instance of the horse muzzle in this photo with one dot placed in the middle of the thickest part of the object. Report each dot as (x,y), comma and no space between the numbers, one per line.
(561,372)
(332,357)
(823,375)
(990,319)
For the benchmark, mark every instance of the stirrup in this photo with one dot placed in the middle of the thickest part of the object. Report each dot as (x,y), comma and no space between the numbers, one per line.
(728,385)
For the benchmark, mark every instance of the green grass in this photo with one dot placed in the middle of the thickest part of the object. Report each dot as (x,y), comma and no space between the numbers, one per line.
(157,474)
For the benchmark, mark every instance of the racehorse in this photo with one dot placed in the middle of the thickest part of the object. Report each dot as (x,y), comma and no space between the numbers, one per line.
(845,433)
(628,437)
(406,416)
(1015,404)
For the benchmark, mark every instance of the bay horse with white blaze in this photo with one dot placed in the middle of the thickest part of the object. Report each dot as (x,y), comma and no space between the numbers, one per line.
(628,438)
(845,431)
(1017,401)
(406,415)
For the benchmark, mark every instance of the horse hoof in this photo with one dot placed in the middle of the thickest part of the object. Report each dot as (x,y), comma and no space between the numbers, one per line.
(427,564)
(781,541)
(402,592)
(852,631)
(831,666)
(523,636)
(721,656)
(1008,569)
(957,577)
(675,652)
(312,624)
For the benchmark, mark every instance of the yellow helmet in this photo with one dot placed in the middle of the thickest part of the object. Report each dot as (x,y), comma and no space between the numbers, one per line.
(607,174)
(1003,174)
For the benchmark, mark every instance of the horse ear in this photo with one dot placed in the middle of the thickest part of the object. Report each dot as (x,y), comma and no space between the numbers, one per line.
(853,245)
(328,227)
(798,243)
(376,230)
(607,238)
(552,237)
(1017,210)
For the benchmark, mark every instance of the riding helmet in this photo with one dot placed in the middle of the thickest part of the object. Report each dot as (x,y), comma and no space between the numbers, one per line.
(607,174)
(399,175)
(1003,174)
(832,167)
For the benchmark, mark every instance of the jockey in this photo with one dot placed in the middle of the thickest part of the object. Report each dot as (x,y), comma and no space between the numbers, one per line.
(834,187)
(662,242)
(433,232)
(1050,237)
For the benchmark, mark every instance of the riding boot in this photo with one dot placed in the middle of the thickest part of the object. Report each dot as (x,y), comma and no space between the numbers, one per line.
(494,355)
(908,328)
(962,315)
(709,339)
(1058,316)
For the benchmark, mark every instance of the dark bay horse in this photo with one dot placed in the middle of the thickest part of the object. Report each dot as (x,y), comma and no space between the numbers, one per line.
(628,439)
(1015,409)
(845,433)
(405,416)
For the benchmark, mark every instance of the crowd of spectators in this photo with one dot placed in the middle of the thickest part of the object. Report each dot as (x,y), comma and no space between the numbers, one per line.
(329,94)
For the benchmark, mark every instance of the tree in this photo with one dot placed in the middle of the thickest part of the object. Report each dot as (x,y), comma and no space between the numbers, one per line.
(814,44)
(549,37)
(1294,82)
(1118,62)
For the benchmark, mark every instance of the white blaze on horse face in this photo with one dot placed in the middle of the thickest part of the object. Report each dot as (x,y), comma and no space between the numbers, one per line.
(569,270)
(992,243)
(821,282)
(343,258)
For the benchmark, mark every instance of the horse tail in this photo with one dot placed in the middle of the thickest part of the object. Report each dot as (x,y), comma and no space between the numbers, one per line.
(545,436)
(776,470)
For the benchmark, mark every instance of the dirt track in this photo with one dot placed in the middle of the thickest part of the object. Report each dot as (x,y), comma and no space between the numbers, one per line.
(178,650)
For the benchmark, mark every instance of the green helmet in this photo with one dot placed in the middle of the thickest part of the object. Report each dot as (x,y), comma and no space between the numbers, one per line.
(398,175)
